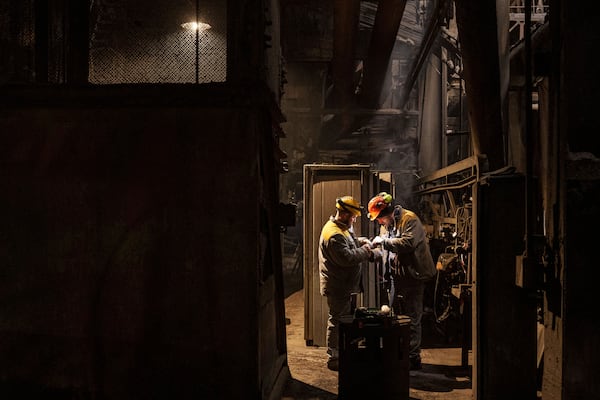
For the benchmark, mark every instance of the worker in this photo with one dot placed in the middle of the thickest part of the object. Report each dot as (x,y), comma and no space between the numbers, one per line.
(340,256)
(406,250)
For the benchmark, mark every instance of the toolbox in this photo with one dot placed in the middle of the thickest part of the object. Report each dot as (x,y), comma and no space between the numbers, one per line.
(373,355)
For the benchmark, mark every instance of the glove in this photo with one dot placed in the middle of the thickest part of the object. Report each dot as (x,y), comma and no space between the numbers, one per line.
(377,240)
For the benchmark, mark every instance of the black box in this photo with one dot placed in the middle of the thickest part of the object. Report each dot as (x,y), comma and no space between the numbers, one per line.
(373,358)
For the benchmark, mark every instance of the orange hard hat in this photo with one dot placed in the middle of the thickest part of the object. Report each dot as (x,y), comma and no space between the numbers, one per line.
(380,205)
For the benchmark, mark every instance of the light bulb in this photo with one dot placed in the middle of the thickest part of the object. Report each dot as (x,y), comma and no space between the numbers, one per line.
(200,26)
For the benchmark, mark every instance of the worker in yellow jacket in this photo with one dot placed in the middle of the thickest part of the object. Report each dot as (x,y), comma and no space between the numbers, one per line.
(340,258)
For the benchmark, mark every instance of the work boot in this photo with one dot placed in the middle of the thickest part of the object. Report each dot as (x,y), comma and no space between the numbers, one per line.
(333,364)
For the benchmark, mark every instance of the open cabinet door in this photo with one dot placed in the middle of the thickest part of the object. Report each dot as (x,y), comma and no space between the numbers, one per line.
(322,185)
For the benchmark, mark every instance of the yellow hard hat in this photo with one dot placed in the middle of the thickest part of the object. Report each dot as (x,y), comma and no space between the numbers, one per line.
(348,204)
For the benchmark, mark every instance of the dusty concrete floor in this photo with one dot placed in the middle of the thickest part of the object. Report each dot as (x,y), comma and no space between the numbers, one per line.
(442,376)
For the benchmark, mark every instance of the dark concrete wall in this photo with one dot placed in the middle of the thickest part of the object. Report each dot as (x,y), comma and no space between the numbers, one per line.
(130,264)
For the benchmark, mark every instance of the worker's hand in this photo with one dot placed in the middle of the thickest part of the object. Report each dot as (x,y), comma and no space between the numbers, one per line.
(376,255)
(377,240)
(368,249)
(363,240)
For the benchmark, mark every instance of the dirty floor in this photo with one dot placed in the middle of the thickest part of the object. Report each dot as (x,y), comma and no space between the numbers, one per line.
(442,376)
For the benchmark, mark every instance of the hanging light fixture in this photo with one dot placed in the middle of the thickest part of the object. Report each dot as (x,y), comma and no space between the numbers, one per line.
(196,26)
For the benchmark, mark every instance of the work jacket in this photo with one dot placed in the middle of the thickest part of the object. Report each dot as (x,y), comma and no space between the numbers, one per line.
(339,259)
(410,245)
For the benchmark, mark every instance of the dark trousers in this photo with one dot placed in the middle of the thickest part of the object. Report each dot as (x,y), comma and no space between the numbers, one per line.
(338,306)
(409,301)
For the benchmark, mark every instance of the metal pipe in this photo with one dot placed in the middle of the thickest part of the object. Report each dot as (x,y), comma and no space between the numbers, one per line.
(429,37)
(197,41)
(529,223)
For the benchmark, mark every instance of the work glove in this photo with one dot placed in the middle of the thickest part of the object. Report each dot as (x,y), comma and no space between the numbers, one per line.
(377,240)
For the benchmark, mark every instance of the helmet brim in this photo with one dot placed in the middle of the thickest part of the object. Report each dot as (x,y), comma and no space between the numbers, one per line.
(383,213)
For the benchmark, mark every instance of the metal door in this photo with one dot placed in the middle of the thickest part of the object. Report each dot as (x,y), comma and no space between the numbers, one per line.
(323,183)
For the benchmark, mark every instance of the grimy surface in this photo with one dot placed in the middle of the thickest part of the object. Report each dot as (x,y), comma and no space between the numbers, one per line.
(442,376)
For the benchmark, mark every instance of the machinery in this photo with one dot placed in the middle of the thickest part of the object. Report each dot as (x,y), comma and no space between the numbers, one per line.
(450,293)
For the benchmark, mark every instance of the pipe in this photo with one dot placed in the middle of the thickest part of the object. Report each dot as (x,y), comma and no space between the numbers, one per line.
(428,39)
(529,222)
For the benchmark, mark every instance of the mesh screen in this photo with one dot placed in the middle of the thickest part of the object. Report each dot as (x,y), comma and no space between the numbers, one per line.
(135,41)
(131,41)
(17,43)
